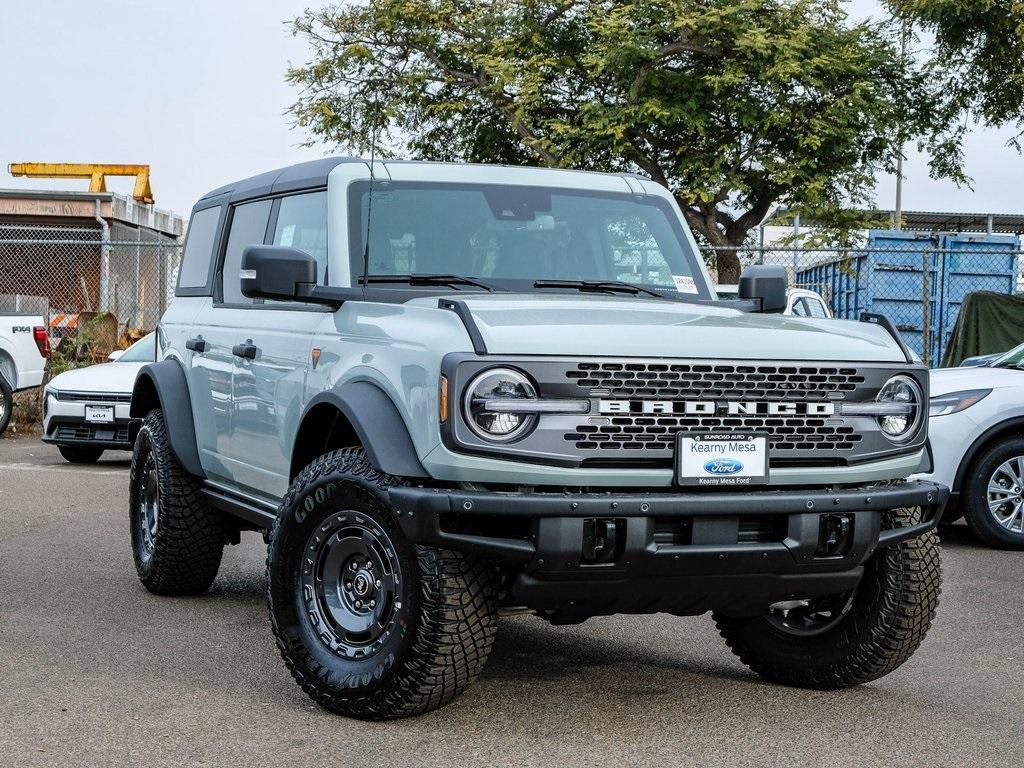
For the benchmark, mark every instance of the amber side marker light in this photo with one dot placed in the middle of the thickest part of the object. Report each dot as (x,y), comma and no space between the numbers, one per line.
(443,399)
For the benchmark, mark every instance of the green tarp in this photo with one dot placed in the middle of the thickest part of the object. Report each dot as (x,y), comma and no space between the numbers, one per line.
(988,323)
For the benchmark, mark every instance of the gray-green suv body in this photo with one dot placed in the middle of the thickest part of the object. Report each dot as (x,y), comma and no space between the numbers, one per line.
(449,391)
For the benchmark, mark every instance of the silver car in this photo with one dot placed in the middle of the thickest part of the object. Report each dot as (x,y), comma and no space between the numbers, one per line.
(452,391)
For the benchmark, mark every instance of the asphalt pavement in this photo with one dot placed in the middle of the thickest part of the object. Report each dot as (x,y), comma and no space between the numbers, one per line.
(95,671)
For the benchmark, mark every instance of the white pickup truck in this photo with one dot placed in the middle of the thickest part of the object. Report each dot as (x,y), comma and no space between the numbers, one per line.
(24,347)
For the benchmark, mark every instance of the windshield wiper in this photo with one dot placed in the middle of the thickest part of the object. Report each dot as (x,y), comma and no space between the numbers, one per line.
(610,286)
(427,279)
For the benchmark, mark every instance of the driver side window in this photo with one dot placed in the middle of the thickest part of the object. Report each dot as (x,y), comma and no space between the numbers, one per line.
(302,223)
(248,227)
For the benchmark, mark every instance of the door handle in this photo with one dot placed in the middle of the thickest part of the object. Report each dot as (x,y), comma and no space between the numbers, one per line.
(196,345)
(247,350)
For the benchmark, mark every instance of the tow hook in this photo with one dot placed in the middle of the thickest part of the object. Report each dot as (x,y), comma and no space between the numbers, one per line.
(601,540)
(835,533)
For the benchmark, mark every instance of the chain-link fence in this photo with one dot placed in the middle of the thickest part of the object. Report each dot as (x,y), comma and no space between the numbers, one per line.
(60,272)
(919,282)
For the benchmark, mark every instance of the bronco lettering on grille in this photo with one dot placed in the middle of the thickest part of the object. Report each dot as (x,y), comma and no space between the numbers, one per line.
(713,407)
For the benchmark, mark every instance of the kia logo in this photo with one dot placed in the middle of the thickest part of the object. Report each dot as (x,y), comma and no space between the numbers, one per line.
(723,467)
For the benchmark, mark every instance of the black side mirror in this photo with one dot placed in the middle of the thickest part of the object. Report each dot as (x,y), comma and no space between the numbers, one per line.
(276,272)
(766,285)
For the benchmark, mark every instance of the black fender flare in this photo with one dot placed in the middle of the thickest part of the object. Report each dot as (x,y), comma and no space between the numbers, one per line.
(163,385)
(378,425)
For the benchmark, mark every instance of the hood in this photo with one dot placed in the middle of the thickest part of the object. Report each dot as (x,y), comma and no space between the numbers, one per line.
(531,324)
(946,380)
(113,378)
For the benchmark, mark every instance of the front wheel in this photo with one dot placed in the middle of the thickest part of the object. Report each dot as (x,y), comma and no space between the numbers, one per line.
(994,494)
(6,404)
(850,638)
(370,625)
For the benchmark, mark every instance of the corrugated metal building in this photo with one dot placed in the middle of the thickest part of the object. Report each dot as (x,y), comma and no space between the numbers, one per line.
(87,251)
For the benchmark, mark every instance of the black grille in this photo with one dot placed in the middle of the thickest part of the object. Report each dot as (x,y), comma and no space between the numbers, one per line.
(650,433)
(84,432)
(94,397)
(657,433)
(696,381)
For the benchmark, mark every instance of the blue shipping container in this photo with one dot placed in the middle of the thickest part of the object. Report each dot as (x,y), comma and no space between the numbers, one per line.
(888,277)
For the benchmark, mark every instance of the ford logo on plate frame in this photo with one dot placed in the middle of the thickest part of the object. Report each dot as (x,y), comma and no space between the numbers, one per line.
(723,466)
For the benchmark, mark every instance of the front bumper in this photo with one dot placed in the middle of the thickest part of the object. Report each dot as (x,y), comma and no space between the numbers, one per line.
(68,430)
(683,553)
(64,423)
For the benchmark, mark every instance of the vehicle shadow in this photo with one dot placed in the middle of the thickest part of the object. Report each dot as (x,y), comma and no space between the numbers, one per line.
(527,648)
(959,536)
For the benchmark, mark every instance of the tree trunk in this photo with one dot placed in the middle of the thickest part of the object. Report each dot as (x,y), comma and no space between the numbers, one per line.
(728,267)
(720,254)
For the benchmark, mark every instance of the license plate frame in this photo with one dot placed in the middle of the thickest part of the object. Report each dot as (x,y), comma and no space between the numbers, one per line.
(693,466)
(99,414)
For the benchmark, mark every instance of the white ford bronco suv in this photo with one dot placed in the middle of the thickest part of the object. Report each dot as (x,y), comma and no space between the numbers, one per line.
(452,391)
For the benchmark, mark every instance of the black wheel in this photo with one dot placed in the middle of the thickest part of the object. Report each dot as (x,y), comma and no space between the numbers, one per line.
(993,498)
(850,638)
(177,538)
(6,404)
(370,625)
(80,454)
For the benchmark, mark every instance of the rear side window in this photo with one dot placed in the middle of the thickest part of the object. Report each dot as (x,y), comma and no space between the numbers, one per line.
(195,263)
(815,308)
(248,227)
(302,224)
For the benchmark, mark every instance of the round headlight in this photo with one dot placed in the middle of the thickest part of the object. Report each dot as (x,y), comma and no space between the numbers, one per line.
(901,390)
(498,384)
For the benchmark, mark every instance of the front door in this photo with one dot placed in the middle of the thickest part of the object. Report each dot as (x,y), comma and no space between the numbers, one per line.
(269,388)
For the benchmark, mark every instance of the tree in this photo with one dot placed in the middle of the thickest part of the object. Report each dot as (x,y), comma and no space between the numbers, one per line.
(736,106)
(978,54)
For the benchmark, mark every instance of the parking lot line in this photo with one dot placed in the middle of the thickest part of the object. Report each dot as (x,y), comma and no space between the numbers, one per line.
(26,467)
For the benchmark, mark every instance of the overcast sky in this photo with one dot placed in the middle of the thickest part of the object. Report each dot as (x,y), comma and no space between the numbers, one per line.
(196,89)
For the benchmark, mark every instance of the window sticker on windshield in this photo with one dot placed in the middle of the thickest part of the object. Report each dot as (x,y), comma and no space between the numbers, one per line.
(684,284)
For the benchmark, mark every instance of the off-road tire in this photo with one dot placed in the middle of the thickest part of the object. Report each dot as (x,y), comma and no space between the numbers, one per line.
(189,539)
(892,609)
(80,454)
(975,496)
(442,634)
(6,404)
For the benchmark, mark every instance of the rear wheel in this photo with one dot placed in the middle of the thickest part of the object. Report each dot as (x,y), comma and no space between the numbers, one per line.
(177,538)
(994,494)
(6,404)
(80,454)
(853,637)
(370,625)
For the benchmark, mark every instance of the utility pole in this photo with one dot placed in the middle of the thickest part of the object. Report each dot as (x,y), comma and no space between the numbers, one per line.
(898,217)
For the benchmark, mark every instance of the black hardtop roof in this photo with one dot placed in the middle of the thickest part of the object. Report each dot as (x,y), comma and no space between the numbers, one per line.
(307,175)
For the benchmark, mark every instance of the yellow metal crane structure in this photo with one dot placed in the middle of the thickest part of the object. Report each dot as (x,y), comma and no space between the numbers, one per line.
(96,173)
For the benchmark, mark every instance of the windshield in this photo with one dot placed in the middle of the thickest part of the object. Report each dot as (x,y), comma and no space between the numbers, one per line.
(1012,359)
(142,351)
(513,236)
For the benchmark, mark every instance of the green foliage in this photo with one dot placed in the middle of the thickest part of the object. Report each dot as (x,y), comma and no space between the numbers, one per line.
(737,106)
(89,344)
(979,53)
